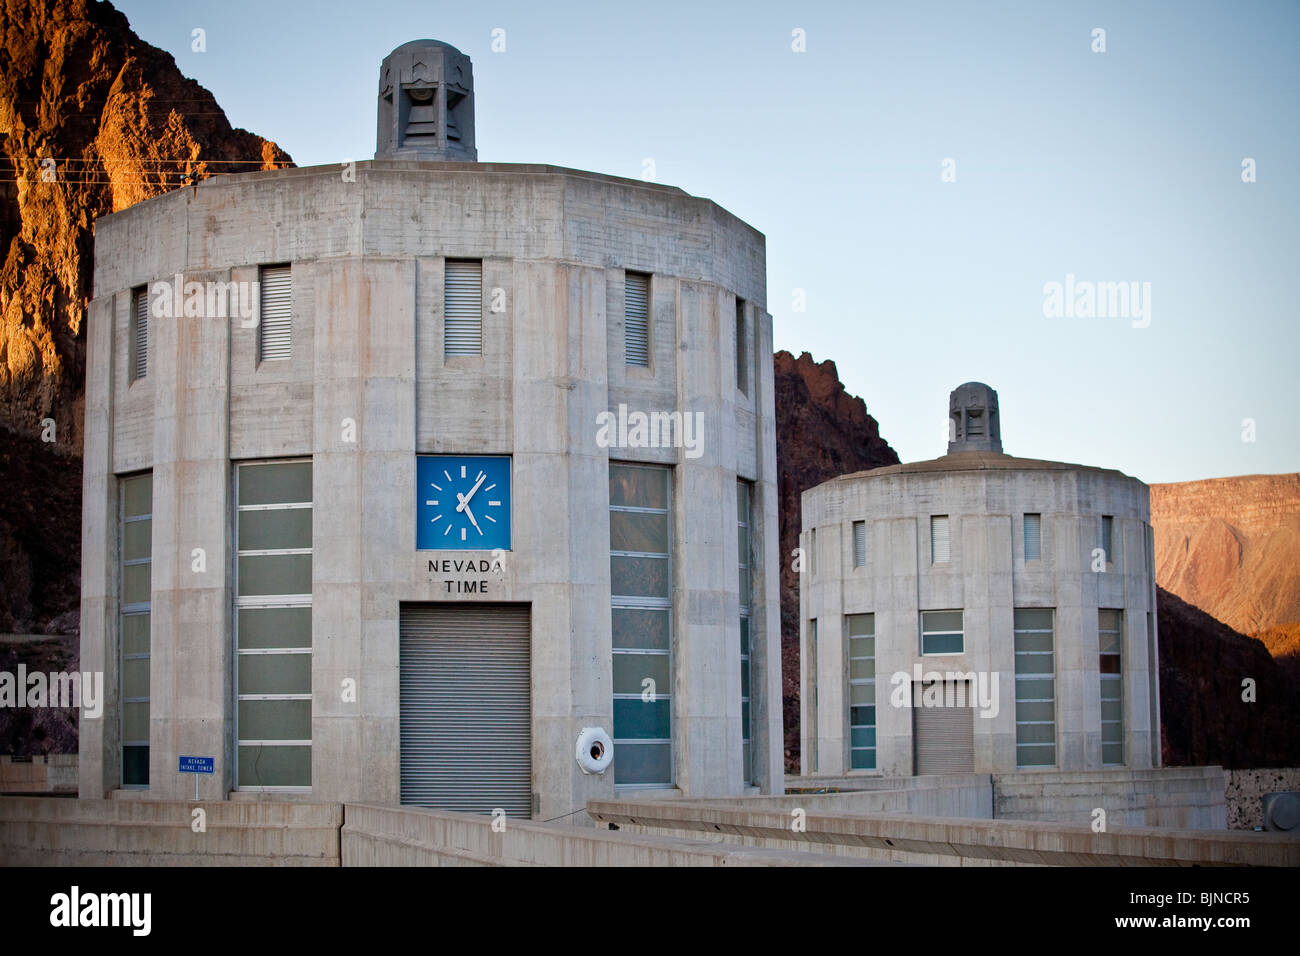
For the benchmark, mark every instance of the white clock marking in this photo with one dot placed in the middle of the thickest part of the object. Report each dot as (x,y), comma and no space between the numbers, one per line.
(448,531)
(434,520)
(490,518)
(435,486)
(490,487)
(448,474)
(431,502)
(462,471)
(462,534)
(494,504)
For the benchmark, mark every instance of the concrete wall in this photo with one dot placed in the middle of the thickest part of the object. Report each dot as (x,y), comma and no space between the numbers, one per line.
(56,773)
(368,257)
(53,832)
(1187,798)
(987,577)
(942,841)
(406,836)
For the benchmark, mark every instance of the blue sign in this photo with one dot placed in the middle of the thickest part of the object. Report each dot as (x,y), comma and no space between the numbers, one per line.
(198,765)
(462,503)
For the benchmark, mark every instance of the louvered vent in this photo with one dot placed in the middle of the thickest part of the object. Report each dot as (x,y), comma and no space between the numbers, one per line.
(463,307)
(636,319)
(275,339)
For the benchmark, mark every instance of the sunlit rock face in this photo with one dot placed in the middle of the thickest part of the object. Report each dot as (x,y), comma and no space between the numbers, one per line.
(92,120)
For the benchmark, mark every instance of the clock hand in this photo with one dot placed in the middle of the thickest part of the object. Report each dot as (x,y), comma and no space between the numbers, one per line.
(465,499)
(471,518)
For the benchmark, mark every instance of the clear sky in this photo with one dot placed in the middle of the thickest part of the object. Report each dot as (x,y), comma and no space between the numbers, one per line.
(1115,166)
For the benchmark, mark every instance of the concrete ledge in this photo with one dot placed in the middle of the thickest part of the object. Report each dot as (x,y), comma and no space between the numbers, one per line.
(953,841)
(376,835)
(55,773)
(55,832)
(1179,797)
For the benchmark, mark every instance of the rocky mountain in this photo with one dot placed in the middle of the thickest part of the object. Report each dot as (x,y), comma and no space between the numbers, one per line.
(1204,716)
(1230,547)
(821,431)
(92,120)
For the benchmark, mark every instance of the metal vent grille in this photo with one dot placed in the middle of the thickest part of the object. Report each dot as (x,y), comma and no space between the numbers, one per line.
(139,333)
(1033,537)
(466,714)
(939,540)
(636,319)
(463,307)
(859,544)
(276,323)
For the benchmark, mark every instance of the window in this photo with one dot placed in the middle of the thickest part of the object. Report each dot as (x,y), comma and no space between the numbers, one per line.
(862,691)
(139,333)
(811,665)
(859,544)
(742,351)
(641,582)
(1107,538)
(743,551)
(276,317)
(636,319)
(137,566)
(462,307)
(1109,631)
(939,544)
(1035,688)
(273,640)
(1033,537)
(812,552)
(941,632)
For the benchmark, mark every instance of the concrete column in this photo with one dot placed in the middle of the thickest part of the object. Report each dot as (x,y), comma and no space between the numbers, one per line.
(99,765)
(191,673)
(706,709)
(766,702)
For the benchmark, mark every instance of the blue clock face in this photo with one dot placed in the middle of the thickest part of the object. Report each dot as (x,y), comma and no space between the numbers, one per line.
(462,503)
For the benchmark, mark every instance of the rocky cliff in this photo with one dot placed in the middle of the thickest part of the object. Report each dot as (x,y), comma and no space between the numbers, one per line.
(1204,714)
(821,431)
(92,119)
(1231,546)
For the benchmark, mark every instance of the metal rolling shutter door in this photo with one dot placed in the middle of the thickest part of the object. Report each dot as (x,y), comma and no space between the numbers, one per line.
(466,714)
(944,737)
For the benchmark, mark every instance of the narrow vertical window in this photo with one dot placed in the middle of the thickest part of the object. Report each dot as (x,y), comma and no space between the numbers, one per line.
(137,564)
(636,319)
(939,542)
(812,683)
(742,349)
(1109,632)
(862,691)
(273,639)
(859,544)
(275,322)
(1107,538)
(640,573)
(1035,688)
(743,551)
(462,307)
(1033,537)
(139,333)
